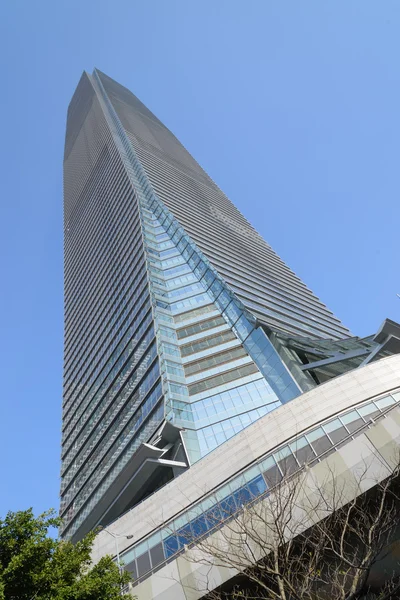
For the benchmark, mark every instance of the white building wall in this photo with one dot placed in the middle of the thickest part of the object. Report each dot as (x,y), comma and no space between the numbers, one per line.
(258,439)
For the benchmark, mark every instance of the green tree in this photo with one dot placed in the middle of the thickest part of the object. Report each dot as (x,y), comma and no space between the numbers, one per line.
(36,566)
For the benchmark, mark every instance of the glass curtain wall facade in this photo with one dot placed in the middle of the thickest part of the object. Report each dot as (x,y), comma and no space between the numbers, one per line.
(169,296)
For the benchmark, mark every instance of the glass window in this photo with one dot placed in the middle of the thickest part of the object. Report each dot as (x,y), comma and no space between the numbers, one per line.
(143,564)
(396,396)
(315,434)
(209,342)
(305,455)
(217,380)
(282,453)
(174,368)
(272,476)
(187,252)
(131,568)
(319,441)
(171,546)
(242,496)
(223,300)
(213,516)
(199,526)
(227,507)
(369,411)
(243,327)
(208,278)
(185,535)
(336,431)
(200,269)
(216,288)
(218,359)
(232,313)
(157,554)
(287,464)
(194,259)
(256,487)
(302,450)
(384,402)
(297,444)
(201,326)
(352,420)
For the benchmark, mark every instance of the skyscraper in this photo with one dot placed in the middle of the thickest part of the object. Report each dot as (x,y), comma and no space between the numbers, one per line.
(182,325)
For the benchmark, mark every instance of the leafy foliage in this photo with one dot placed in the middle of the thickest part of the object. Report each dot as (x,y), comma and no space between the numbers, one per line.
(36,566)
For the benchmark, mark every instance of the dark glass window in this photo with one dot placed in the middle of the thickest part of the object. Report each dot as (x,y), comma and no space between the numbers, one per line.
(131,568)
(305,454)
(288,465)
(286,461)
(157,555)
(143,564)
(352,421)
(272,476)
(336,431)
(321,445)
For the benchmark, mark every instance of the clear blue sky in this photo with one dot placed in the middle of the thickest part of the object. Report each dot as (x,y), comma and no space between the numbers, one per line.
(293,109)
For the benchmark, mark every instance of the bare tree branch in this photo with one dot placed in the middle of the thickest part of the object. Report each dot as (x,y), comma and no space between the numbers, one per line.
(307,541)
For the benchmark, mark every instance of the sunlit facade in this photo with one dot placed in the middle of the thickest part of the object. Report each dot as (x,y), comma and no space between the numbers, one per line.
(182,326)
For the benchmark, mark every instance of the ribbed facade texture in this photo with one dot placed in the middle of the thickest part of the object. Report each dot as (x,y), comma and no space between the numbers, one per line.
(171,302)
(247,263)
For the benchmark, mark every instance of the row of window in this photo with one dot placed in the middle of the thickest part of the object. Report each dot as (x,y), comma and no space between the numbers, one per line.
(97,229)
(102,327)
(78,411)
(117,432)
(228,403)
(80,495)
(200,327)
(146,425)
(93,377)
(219,432)
(210,362)
(182,291)
(228,376)
(287,274)
(87,392)
(108,276)
(176,282)
(100,306)
(261,349)
(77,197)
(140,317)
(183,305)
(212,511)
(103,264)
(108,177)
(72,364)
(192,314)
(209,342)
(116,329)
(109,396)
(176,270)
